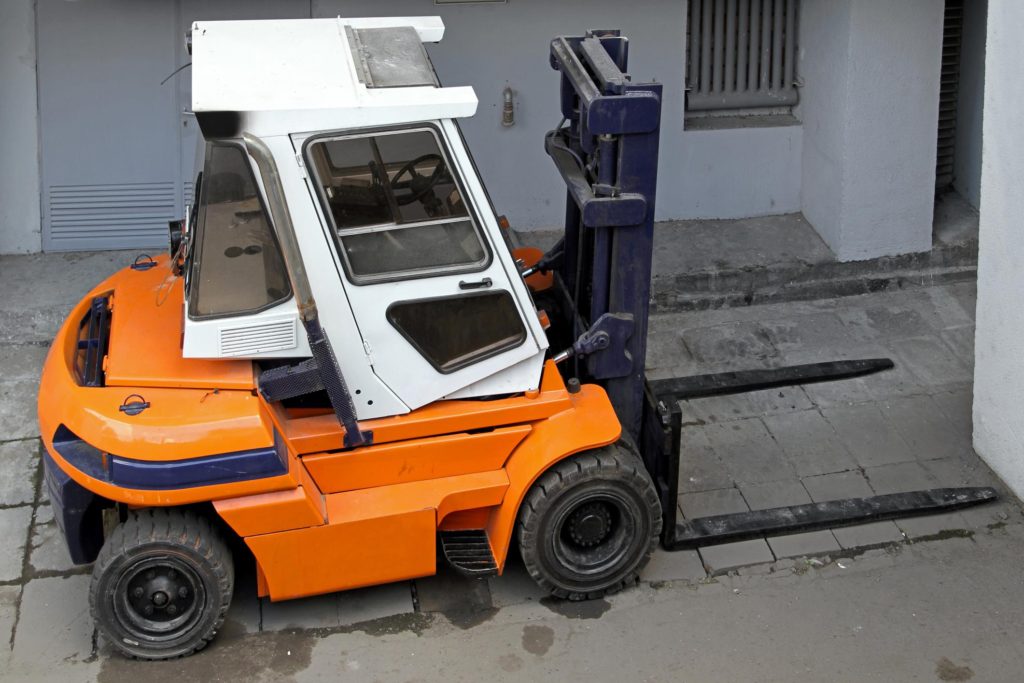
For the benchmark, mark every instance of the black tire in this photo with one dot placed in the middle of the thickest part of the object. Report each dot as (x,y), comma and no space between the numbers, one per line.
(162,584)
(590,523)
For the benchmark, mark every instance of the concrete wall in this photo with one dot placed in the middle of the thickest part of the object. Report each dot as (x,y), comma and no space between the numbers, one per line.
(999,340)
(19,134)
(870,110)
(489,45)
(970,101)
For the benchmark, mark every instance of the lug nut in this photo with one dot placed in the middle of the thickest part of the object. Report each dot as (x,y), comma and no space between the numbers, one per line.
(148,609)
(182,592)
(171,574)
(172,609)
(138,592)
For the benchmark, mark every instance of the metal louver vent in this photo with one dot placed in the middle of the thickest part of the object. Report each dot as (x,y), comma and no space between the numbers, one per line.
(742,54)
(83,217)
(952,39)
(258,337)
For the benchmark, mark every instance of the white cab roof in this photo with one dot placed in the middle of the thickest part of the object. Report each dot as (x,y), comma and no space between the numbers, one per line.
(286,76)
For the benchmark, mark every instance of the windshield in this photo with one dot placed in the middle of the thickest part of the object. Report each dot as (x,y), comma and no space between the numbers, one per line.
(236,266)
(396,206)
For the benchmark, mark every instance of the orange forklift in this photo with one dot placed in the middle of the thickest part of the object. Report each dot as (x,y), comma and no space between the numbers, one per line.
(342,361)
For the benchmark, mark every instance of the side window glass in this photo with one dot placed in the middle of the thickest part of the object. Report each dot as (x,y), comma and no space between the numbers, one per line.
(438,328)
(237,267)
(396,206)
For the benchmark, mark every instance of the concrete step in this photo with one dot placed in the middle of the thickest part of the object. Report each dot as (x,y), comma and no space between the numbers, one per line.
(707,264)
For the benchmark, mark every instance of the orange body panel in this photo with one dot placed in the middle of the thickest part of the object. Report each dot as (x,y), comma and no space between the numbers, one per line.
(466,519)
(448,495)
(414,460)
(591,423)
(381,549)
(145,337)
(322,433)
(267,513)
(372,536)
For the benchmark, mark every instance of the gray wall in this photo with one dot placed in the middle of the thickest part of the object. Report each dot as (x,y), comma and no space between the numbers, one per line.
(489,45)
(870,112)
(999,340)
(857,166)
(736,172)
(19,152)
(109,129)
(824,68)
(970,103)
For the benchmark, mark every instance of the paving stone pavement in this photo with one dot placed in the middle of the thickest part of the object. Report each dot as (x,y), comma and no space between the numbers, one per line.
(897,431)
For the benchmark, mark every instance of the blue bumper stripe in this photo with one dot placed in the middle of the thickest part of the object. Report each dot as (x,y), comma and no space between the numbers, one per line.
(171,474)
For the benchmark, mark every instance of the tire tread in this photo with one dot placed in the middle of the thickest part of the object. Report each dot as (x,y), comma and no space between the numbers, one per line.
(619,459)
(179,527)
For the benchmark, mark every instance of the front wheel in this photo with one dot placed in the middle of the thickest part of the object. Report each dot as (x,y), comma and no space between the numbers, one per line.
(590,523)
(162,584)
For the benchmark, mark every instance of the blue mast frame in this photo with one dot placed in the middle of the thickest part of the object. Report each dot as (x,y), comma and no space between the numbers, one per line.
(608,156)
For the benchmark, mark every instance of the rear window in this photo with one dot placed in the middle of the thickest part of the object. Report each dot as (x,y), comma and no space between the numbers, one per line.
(237,266)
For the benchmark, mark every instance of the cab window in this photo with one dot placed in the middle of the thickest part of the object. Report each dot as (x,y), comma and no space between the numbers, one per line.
(396,206)
(237,265)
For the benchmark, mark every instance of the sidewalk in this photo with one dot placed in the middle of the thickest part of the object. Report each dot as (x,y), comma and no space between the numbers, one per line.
(927,597)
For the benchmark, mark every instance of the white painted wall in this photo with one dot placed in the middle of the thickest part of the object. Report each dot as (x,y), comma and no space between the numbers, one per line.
(870,110)
(970,101)
(736,172)
(999,337)
(19,150)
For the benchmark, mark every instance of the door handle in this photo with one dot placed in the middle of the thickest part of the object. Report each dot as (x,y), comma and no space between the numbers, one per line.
(479,284)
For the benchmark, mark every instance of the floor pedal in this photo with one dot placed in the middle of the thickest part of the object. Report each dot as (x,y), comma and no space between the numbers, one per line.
(468,551)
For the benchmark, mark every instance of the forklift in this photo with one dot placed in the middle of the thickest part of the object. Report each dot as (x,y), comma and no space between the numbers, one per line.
(342,363)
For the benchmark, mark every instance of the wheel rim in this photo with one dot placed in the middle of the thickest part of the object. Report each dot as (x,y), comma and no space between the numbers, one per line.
(159,598)
(594,535)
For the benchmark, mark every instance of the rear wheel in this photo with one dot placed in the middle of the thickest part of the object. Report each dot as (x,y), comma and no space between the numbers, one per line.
(590,523)
(162,584)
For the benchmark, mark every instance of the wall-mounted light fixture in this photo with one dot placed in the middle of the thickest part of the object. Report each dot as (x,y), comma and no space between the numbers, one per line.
(508,112)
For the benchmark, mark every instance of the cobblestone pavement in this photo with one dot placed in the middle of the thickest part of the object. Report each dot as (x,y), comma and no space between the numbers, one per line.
(902,430)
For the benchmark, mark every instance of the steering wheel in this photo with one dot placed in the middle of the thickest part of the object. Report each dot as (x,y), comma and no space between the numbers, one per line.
(418,185)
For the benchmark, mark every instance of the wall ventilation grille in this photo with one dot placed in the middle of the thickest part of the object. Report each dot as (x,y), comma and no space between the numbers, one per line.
(259,337)
(952,39)
(742,54)
(84,217)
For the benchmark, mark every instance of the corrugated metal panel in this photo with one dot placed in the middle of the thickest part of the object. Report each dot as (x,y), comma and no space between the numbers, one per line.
(952,39)
(85,217)
(742,54)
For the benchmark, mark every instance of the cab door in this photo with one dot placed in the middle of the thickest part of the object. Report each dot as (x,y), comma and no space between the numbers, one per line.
(430,287)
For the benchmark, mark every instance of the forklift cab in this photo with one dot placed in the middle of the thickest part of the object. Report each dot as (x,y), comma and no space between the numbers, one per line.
(416,288)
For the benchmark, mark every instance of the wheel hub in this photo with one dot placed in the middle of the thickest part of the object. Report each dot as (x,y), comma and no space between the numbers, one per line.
(589,524)
(158,594)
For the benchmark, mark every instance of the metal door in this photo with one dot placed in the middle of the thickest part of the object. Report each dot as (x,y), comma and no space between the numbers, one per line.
(428,283)
(109,129)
